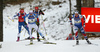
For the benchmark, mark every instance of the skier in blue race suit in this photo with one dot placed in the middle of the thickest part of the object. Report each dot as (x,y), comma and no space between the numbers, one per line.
(21,22)
(76,18)
(38,12)
(32,19)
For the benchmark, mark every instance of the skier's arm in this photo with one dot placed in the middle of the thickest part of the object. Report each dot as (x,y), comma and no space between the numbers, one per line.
(37,20)
(26,15)
(41,12)
(15,16)
(83,20)
(71,19)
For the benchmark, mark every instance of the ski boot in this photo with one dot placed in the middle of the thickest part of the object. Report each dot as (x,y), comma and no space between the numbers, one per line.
(31,41)
(44,38)
(77,42)
(18,39)
(29,38)
(88,41)
(38,39)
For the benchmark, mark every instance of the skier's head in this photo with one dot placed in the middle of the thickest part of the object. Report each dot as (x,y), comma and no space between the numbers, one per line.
(76,13)
(31,12)
(70,35)
(21,11)
(36,8)
(21,8)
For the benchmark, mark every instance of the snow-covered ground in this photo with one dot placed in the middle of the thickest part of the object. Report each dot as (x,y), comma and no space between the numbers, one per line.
(56,24)
(62,46)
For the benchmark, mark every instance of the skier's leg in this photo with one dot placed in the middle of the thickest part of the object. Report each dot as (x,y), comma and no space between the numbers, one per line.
(26,27)
(37,23)
(85,36)
(30,28)
(76,31)
(37,29)
(83,32)
(76,34)
(38,36)
(19,28)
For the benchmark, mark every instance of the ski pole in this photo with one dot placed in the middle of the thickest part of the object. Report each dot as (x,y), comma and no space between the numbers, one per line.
(10,19)
(44,25)
(22,29)
(24,33)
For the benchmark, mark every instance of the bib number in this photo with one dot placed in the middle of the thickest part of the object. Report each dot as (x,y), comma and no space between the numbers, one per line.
(78,21)
(31,20)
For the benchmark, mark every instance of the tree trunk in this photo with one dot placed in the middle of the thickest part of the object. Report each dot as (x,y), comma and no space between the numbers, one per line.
(78,5)
(88,3)
(70,17)
(1,20)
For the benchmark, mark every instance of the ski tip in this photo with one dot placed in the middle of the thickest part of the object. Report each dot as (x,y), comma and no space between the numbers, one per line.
(29,44)
(49,43)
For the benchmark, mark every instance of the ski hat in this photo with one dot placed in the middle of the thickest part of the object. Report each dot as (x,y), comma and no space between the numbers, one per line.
(76,12)
(21,11)
(36,8)
(70,34)
(31,12)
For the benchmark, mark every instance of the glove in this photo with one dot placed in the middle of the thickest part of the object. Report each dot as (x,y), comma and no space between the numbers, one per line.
(25,23)
(41,12)
(84,25)
(12,20)
(37,23)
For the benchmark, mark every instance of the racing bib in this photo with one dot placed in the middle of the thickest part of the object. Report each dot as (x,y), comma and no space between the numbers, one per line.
(78,21)
(31,20)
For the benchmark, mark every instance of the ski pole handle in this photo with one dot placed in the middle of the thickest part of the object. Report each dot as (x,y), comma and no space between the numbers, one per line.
(10,19)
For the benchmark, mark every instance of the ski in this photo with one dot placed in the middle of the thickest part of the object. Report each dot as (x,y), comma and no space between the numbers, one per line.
(28,44)
(49,43)
(93,44)
(29,39)
(74,45)
(87,44)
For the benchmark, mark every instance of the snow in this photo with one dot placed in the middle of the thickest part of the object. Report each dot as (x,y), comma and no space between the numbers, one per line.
(62,46)
(56,24)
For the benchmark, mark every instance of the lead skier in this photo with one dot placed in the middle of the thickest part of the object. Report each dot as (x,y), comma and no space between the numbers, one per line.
(78,25)
(32,19)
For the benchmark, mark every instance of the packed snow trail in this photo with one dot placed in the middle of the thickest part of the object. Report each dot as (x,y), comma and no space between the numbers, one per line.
(61,46)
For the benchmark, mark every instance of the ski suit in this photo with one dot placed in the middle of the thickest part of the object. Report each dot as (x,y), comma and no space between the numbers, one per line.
(21,22)
(78,25)
(32,19)
(37,14)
